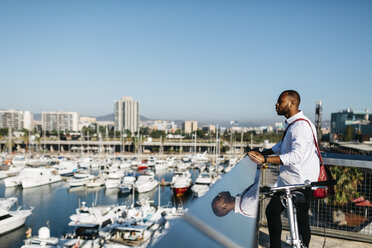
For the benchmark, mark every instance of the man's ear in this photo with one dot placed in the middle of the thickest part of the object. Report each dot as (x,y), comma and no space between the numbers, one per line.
(224,206)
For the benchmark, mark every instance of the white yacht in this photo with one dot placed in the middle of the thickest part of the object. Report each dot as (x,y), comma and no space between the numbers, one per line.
(178,174)
(113,180)
(181,184)
(66,168)
(39,176)
(145,183)
(32,177)
(79,179)
(125,164)
(7,203)
(183,165)
(95,182)
(98,215)
(10,171)
(10,220)
(200,157)
(161,165)
(19,160)
(127,183)
(88,163)
(202,183)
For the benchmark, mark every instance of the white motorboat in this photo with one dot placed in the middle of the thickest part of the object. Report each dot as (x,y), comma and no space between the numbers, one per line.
(39,176)
(10,170)
(88,163)
(228,168)
(145,183)
(66,168)
(199,190)
(95,182)
(19,160)
(127,183)
(161,165)
(186,159)
(178,174)
(98,215)
(233,161)
(181,182)
(183,165)
(202,183)
(173,212)
(125,164)
(113,180)
(181,185)
(200,157)
(7,203)
(80,179)
(10,220)
(204,178)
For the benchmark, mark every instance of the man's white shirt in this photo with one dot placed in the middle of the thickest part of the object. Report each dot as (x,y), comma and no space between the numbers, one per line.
(298,153)
(246,203)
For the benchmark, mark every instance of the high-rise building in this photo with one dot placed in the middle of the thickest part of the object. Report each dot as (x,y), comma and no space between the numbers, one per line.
(16,119)
(126,114)
(190,126)
(60,121)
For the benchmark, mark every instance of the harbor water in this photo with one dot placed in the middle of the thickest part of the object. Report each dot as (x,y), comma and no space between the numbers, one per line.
(54,203)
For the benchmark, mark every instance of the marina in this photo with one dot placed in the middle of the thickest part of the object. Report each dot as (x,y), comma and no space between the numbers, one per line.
(98,184)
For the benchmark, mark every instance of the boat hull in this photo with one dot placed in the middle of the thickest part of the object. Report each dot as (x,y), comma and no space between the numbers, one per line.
(32,182)
(180,191)
(14,222)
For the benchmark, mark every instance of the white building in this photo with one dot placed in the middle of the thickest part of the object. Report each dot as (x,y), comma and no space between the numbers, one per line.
(209,128)
(16,119)
(85,121)
(190,126)
(126,114)
(60,120)
(166,126)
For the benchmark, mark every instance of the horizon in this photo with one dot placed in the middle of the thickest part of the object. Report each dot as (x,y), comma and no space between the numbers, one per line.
(207,61)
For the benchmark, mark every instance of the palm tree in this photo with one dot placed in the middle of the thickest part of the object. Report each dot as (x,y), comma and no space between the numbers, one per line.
(348,180)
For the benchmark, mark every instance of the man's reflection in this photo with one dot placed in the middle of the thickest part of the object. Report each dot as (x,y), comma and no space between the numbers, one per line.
(245,203)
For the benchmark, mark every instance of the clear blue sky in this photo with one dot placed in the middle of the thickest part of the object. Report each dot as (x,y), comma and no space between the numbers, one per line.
(203,60)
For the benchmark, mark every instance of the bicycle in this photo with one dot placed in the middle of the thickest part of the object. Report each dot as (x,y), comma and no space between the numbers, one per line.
(290,197)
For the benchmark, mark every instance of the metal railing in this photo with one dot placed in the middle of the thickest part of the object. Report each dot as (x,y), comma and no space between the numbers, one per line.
(346,214)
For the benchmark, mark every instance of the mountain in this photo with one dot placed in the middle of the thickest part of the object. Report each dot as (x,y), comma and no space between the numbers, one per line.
(109,117)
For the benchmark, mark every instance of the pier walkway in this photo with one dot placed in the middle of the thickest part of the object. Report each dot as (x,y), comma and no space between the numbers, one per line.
(316,241)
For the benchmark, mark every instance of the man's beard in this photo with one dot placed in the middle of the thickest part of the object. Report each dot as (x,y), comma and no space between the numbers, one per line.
(283,111)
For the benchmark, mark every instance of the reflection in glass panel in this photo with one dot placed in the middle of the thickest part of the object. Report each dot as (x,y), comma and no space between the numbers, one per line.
(221,217)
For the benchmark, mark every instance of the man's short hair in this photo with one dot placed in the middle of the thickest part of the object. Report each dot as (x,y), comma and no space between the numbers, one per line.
(294,94)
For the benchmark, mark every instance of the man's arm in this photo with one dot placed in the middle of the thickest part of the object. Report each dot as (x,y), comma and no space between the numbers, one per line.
(259,158)
(267,152)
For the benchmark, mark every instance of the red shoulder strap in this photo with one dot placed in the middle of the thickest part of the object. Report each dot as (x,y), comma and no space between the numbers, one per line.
(315,142)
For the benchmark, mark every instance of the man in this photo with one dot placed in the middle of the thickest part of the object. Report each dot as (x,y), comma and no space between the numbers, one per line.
(245,203)
(297,156)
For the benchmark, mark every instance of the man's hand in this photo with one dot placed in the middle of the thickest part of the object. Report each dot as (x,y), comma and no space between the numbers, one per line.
(256,157)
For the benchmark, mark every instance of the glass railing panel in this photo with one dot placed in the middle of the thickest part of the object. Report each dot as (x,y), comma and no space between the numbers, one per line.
(233,229)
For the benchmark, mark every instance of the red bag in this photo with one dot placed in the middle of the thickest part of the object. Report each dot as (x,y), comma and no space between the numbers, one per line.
(324,173)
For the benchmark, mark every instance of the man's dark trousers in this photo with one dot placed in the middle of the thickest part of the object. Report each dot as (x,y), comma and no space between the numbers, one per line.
(273,212)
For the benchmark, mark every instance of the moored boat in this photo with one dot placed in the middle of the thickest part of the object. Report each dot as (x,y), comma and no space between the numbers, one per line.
(10,220)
